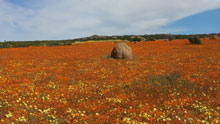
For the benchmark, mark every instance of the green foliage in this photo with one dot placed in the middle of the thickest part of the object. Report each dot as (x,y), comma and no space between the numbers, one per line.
(9,44)
(108,57)
(136,39)
(194,40)
(162,80)
(131,38)
(171,82)
(53,44)
(164,85)
(170,37)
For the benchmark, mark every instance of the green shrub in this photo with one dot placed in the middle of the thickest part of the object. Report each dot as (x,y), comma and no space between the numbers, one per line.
(137,39)
(194,40)
(53,44)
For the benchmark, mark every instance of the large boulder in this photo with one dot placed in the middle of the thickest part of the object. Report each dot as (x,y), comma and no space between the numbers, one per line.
(122,51)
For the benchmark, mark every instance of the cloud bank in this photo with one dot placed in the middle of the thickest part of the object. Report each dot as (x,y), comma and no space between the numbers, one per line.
(63,19)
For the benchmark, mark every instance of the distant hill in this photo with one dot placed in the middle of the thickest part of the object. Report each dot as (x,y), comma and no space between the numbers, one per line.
(131,38)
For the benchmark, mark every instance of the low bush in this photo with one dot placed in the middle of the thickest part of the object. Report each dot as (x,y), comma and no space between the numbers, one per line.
(195,40)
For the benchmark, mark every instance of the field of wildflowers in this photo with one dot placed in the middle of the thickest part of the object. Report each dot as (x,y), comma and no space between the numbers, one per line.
(166,82)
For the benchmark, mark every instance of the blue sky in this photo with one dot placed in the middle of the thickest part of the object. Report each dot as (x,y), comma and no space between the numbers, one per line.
(18,2)
(205,22)
(67,19)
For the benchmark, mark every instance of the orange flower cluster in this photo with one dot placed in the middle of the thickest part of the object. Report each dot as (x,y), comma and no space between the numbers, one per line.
(166,82)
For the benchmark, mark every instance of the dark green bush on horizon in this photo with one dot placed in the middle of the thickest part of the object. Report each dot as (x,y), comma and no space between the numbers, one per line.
(195,40)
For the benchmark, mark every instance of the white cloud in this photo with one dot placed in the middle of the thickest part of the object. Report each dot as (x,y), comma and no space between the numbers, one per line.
(63,19)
